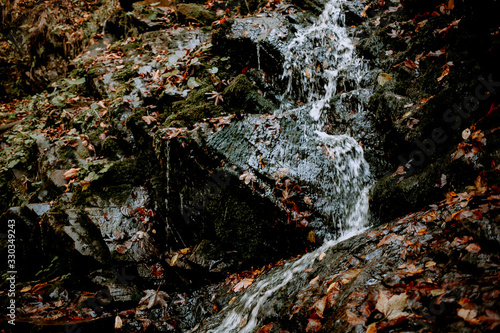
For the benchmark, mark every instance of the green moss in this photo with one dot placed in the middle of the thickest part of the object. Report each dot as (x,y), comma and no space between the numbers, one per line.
(194,108)
(195,13)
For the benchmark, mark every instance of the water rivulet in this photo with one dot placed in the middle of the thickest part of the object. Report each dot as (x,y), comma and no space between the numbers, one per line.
(322,70)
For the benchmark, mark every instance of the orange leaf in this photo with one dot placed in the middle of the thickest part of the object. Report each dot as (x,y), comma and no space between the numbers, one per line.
(410,64)
(372,328)
(446,71)
(313,326)
(354,319)
(71,173)
(392,237)
(319,306)
(265,328)
(473,248)
(243,284)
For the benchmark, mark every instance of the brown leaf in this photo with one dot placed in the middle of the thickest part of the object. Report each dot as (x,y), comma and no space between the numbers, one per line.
(392,237)
(354,319)
(319,306)
(154,297)
(121,249)
(118,323)
(446,71)
(473,248)
(313,326)
(410,64)
(372,328)
(148,119)
(383,78)
(248,177)
(311,236)
(265,328)
(491,317)
(461,240)
(469,315)
(243,284)
(392,307)
(466,133)
(71,173)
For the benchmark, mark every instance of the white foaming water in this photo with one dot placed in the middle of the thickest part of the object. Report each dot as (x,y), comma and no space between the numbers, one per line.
(319,61)
(321,55)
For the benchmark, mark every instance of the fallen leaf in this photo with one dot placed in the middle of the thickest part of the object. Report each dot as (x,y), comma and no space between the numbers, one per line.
(319,306)
(392,237)
(148,119)
(469,315)
(118,323)
(266,328)
(461,240)
(315,280)
(243,284)
(446,71)
(383,78)
(308,72)
(311,236)
(307,201)
(71,173)
(313,326)
(410,64)
(473,248)
(354,319)
(372,328)
(437,292)
(121,249)
(466,134)
(25,289)
(154,297)
(491,317)
(248,177)
(174,259)
(322,256)
(430,264)
(392,307)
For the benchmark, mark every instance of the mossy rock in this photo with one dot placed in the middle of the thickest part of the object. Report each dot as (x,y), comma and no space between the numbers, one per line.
(191,12)
(194,108)
(243,94)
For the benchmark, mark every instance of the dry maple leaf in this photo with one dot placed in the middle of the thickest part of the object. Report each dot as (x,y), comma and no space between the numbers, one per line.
(392,307)
(392,237)
(154,297)
(354,319)
(319,306)
(266,328)
(248,177)
(243,284)
(71,173)
(216,96)
(148,119)
(469,315)
(313,326)
(473,248)
(491,317)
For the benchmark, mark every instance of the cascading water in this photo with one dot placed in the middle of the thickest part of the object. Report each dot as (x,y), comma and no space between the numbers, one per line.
(319,61)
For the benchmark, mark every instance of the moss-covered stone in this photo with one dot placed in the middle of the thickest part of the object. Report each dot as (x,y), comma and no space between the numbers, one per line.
(244,95)
(191,12)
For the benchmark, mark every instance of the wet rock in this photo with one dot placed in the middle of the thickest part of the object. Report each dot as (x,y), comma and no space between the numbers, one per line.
(191,12)
(260,38)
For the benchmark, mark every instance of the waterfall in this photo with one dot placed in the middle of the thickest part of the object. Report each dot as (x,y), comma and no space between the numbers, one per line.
(319,62)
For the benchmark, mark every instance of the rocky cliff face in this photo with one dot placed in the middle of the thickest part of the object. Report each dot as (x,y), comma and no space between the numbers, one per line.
(163,172)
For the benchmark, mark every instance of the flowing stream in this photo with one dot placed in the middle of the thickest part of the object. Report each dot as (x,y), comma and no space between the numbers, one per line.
(322,70)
